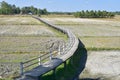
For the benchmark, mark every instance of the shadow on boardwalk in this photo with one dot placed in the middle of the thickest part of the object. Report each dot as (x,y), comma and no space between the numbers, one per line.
(75,65)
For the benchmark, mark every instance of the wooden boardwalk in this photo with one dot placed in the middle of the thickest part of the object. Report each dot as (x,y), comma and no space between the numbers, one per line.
(54,62)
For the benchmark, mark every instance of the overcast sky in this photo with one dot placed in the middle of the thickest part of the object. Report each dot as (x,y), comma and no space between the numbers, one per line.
(69,5)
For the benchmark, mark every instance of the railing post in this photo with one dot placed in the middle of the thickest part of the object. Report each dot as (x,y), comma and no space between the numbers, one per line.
(21,68)
(59,50)
(63,46)
(50,55)
(39,60)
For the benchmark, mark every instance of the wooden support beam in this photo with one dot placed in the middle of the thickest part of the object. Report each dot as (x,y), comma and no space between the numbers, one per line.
(40,77)
(54,73)
(65,65)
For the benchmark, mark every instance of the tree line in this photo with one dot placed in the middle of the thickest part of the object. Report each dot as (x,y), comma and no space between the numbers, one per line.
(117,12)
(8,9)
(94,14)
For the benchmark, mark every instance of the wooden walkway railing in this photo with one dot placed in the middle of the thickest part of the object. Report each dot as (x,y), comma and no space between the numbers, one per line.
(50,61)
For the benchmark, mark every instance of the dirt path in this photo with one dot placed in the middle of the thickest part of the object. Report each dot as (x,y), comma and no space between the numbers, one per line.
(103,65)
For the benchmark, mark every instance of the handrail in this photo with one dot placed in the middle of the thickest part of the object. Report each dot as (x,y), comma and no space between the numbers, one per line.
(39,61)
(34,58)
(67,52)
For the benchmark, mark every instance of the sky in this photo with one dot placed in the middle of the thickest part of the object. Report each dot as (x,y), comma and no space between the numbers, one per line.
(69,5)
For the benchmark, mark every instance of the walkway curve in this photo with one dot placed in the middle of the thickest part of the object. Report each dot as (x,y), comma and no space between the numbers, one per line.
(69,50)
(72,41)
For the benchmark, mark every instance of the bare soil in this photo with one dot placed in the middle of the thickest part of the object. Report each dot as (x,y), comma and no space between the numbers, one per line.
(104,65)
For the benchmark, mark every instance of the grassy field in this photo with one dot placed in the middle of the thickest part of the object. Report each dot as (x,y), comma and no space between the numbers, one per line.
(23,44)
(25,30)
(82,30)
(23,38)
(54,16)
(17,38)
(18,20)
(101,43)
(96,34)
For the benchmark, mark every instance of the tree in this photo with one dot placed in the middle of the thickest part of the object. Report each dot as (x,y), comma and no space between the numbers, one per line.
(6,8)
(91,14)
(77,14)
(44,11)
(94,14)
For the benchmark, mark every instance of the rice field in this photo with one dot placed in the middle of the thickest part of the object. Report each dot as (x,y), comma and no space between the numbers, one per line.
(22,30)
(24,34)
(23,38)
(94,30)
(16,38)
(101,43)
(18,20)
(96,34)
(14,45)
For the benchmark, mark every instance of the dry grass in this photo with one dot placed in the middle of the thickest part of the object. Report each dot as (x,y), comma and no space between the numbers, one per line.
(15,20)
(17,57)
(96,34)
(75,21)
(23,38)
(116,18)
(40,30)
(94,29)
(26,44)
(57,16)
(16,38)
(101,43)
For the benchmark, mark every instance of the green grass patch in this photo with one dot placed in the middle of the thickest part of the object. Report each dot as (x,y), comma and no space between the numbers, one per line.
(101,43)
(101,49)
(58,33)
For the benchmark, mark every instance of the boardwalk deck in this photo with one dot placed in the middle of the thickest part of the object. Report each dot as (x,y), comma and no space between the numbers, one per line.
(42,69)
